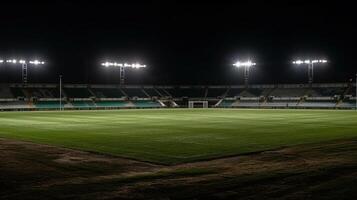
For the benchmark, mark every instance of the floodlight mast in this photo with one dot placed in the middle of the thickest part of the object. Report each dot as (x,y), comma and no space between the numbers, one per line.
(24,65)
(122,67)
(60,92)
(310,67)
(246,65)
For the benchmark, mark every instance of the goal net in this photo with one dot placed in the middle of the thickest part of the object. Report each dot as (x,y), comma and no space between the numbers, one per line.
(198,104)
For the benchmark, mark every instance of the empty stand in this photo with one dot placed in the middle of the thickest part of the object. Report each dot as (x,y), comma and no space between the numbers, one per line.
(46,96)
(77,92)
(108,92)
(134,92)
(146,104)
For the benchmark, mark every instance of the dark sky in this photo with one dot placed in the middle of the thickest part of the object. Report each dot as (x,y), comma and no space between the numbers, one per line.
(182,43)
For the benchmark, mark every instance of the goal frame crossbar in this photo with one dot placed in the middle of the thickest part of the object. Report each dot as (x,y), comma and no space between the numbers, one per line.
(191,104)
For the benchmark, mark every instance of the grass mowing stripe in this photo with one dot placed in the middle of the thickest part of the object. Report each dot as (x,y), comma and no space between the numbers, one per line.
(179,135)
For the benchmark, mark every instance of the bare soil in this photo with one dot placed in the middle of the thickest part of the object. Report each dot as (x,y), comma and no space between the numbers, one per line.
(315,171)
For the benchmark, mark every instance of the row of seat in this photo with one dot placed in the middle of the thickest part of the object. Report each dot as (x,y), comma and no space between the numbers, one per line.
(288,104)
(79,104)
(178,92)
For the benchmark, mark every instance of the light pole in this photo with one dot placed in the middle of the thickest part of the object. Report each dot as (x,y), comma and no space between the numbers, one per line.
(246,65)
(310,67)
(60,91)
(24,65)
(122,67)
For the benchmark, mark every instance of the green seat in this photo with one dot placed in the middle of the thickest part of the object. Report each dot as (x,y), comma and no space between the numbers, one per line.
(146,104)
(48,104)
(112,104)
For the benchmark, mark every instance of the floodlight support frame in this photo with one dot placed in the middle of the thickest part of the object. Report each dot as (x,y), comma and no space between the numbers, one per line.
(246,75)
(24,73)
(310,72)
(122,75)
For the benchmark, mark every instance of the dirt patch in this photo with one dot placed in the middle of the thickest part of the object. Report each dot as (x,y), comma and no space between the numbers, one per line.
(32,171)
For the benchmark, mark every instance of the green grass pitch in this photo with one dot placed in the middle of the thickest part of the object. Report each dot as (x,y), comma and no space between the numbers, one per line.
(178,135)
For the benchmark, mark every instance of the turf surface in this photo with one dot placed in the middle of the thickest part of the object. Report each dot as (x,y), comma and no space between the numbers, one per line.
(180,135)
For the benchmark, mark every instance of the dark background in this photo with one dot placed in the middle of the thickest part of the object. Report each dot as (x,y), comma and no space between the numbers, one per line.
(180,42)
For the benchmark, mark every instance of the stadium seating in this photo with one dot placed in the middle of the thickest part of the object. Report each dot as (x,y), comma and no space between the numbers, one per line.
(113,104)
(134,92)
(350,104)
(233,92)
(77,92)
(45,96)
(48,104)
(281,103)
(17,92)
(226,103)
(146,104)
(288,92)
(14,105)
(5,92)
(83,104)
(251,103)
(108,92)
(216,92)
(152,92)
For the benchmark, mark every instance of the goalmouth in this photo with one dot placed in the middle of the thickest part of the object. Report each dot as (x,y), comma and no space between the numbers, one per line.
(202,104)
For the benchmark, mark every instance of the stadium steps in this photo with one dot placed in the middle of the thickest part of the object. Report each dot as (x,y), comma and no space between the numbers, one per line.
(206,92)
(218,103)
(347,90)
(161,103)
(225,93)
(91,92)
(122,91)
(163,89)
(302,100)
(157,91)
(143,91)
(267,92)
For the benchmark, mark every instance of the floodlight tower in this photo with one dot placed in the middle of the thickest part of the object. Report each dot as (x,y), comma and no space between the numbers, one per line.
(310,66)
(24,64)
(246,65)
(122,67)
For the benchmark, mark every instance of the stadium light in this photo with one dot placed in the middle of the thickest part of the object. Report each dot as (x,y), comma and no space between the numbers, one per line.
(24,64)
(121,67)
(1,61)
(310,66)
(246,65)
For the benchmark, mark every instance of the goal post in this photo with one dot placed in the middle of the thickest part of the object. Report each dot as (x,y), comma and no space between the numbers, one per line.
(203,104)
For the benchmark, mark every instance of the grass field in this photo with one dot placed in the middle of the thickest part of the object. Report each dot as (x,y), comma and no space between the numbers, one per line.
(180,135)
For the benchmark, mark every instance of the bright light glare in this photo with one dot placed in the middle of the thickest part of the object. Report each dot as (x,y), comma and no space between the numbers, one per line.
(299,62)
(33,62)
(126,65)
(1,61)
(244,64)
(36,62)
(12,61)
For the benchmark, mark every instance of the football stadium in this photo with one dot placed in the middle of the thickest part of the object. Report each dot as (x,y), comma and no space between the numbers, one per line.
(66,136)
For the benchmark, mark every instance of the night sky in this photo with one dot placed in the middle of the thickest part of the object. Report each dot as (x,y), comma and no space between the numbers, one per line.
(181,43)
